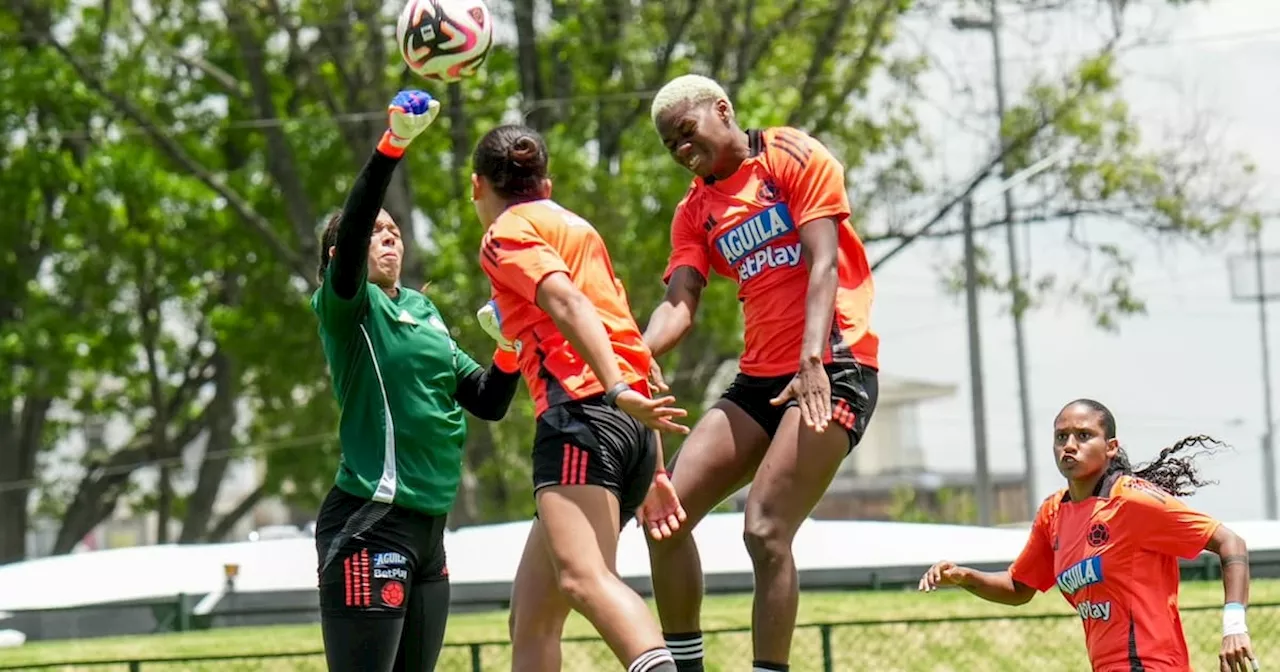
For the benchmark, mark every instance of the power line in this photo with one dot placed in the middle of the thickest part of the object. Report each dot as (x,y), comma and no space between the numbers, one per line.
(182,128)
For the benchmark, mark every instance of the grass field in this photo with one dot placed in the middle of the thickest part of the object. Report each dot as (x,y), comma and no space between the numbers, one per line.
(1043,635)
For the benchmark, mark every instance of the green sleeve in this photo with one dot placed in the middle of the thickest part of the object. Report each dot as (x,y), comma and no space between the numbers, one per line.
(339,316)
(463,364)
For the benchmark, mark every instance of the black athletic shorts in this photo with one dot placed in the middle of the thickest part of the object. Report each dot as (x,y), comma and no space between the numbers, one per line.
(588,442)
(371,554)
(854,391)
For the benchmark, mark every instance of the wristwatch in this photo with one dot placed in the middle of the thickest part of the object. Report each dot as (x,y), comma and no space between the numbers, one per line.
(611,397)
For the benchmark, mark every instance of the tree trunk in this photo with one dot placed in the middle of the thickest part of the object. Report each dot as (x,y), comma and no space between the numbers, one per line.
(164,504)
(223,527)
(217,459)
(20,434)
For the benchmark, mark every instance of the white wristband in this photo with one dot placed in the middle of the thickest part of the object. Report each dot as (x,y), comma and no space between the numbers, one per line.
(1233,620)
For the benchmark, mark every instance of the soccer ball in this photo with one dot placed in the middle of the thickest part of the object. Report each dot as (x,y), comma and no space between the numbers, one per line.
(444,40)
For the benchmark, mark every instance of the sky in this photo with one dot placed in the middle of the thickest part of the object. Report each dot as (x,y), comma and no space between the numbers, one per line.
(1192,364)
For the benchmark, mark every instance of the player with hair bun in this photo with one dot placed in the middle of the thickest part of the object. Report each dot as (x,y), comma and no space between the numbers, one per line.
(1110,541)
(596,455)
(402,384)
(769,209)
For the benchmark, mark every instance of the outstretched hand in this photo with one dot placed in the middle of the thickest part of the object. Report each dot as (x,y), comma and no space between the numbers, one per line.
(944,573)
(661,513)
(654,413)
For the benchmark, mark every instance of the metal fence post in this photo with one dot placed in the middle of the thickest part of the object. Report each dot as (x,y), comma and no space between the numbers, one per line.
(475,657)
(135,665)
(184,614)
(828,665)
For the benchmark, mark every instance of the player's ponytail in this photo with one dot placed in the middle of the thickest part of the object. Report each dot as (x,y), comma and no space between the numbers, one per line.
(513,158)
(1173,470)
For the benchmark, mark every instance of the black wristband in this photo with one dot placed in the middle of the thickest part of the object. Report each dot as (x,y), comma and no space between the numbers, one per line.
(611,397)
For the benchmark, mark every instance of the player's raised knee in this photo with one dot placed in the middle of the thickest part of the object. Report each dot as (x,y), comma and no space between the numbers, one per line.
(767,540)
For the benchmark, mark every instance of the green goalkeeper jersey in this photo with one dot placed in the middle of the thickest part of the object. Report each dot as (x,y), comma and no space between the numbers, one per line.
(395,370)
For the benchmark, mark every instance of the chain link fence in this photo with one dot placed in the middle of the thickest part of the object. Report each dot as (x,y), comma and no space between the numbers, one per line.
(978,644)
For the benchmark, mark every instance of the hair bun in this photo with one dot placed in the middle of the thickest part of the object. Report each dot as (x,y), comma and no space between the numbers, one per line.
(523,151)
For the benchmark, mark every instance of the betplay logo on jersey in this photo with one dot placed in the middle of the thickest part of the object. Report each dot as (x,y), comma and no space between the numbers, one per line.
(747,245)
(1094,611)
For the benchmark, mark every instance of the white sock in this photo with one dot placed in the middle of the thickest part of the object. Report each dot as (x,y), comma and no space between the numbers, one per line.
(651,660)
(685,647)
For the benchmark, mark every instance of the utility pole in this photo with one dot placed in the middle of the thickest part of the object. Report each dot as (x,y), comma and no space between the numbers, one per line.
(977,394)
(992,27)
(1260,295)
(982,468)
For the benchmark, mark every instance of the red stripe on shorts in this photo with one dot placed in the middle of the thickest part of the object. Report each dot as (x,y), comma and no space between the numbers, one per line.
(843,414)
(582,468)
(346,578)
(364,574)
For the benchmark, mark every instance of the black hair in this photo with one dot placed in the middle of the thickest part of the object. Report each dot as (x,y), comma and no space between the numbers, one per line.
(328,239)
(513,158)
(1172,470)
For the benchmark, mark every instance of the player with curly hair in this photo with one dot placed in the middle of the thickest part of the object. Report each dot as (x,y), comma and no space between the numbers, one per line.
(1110,541)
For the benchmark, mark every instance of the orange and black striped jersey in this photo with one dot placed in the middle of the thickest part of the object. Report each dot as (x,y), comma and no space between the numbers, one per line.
(528,242)
(747,227)
(1114,557)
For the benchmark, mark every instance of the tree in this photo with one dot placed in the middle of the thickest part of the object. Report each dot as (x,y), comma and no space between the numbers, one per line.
(159,316)
(220,139)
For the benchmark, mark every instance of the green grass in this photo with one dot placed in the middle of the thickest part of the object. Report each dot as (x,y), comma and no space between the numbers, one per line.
(1004,642)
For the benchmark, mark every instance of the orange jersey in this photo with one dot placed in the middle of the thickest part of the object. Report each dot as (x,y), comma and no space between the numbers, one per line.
(528,242)
(747,227)
(1114,557)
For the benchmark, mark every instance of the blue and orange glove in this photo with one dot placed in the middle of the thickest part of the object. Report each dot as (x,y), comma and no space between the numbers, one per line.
(408,115)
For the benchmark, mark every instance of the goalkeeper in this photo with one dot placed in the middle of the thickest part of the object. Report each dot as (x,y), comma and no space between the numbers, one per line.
(402,384)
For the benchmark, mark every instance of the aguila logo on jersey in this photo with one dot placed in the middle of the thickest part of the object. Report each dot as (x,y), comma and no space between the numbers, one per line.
(388,559)
(1084,573)
(748,248)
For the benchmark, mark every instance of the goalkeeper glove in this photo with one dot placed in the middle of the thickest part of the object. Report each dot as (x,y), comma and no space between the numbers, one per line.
(491,322)
(408,115)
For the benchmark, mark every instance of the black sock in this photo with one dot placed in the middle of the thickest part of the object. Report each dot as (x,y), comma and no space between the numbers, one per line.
(686,648)
(766,666)
(653,660)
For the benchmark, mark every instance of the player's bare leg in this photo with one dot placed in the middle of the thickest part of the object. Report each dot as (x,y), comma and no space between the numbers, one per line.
(719,456)
(580,526)
(538,608)
(793,476)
